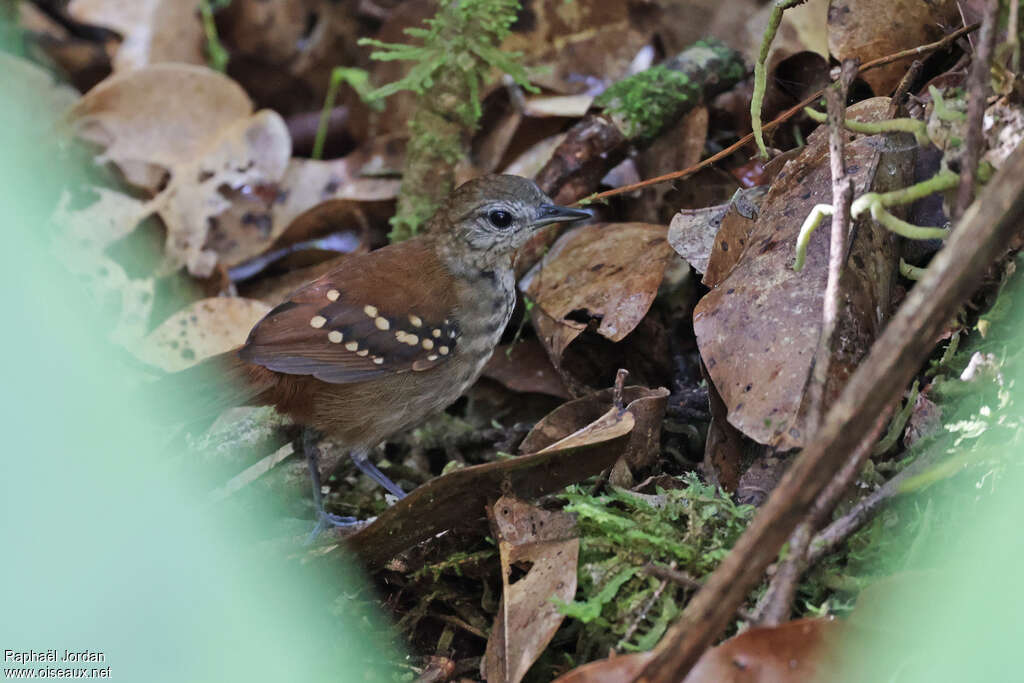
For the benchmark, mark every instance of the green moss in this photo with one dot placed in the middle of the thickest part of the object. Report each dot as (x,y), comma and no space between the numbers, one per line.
(456,51)
(645,103)
(691,528)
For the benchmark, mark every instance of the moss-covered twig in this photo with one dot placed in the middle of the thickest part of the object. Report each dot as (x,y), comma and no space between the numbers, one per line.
(899,421)
(761,70)
(876,204)
(944,42)
(635,111)
(458,47)
(917,128)
(216,53)
(911,272)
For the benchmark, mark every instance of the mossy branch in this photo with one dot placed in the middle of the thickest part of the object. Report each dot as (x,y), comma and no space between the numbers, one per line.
(761,70)
(458,48)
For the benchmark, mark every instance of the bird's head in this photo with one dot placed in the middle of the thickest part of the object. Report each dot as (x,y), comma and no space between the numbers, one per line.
(492,216)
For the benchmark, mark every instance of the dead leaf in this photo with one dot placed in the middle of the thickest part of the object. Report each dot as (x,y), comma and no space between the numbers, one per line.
(692,232)
(612,670)
(194,126)
(608,273)
(460,497)
(641,451)
(91,229)
(251,152)
(587,45)
(534,157)
(795,652)
(200,330)
(528,617)
(283,51)
(152,31)
(151,120)
(569,106)
(868,29)
(758,329)
(523,366)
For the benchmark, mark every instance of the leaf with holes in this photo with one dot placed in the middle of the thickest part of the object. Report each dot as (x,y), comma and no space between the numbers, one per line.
(545,543)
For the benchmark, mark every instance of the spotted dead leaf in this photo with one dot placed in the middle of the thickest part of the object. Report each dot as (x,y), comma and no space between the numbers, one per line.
(692,232)
(868,29)
(795,652)
(86,233)
(547,543)
(149,121)
(187,134)
(802,651)
(459,499)
(203,329)
(758,329)
(152,31)
(257,217)
(603,273)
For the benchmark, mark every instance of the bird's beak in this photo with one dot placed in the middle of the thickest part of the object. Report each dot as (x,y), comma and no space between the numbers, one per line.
(550,213)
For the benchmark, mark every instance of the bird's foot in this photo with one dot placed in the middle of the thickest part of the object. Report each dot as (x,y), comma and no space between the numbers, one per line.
(326,520)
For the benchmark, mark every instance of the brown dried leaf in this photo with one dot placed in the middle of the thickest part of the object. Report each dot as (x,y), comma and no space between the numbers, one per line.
(693,232)
(794,652)
(868,29)
(610,273)
(641,451)
(528,617)
(526,368)
(200,330)
(256,219)
(154,119)
(460,497)
(283,51)
(759,328)
(612,670)
(587,45)
(251,152)
(152,30)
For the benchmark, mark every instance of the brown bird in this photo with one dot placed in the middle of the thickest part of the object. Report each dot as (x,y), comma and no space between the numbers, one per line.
(390,337)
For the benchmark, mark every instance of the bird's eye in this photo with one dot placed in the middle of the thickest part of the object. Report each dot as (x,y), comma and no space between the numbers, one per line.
(499,218)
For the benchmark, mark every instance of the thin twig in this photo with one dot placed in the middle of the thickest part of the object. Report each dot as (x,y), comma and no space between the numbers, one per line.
(776,604)
(860,514)
(842,198)
(782,118)
(977,98)
(686,581)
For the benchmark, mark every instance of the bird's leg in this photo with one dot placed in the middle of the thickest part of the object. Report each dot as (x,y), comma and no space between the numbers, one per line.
(324,519)
(361,458)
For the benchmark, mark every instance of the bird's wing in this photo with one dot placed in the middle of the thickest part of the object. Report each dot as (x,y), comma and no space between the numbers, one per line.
(353,324)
